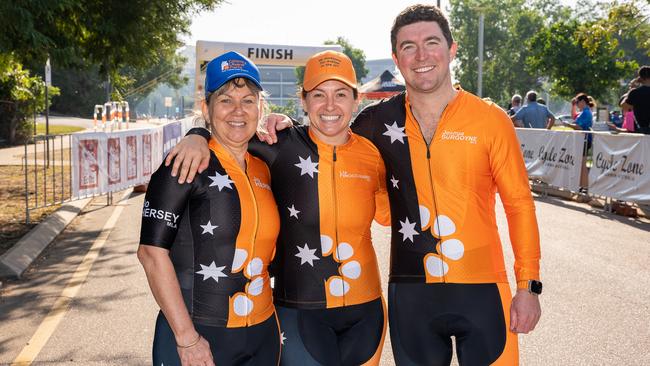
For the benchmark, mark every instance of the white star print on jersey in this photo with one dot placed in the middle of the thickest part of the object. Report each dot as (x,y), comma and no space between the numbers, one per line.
(282,338)
(307,166)
(394,132)
(221,181)
(394,181)
(212,271)
(306,255)
(293,212)
(208,228)
(408,230)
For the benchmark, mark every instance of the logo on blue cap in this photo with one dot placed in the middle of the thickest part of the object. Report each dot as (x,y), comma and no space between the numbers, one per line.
(230,65)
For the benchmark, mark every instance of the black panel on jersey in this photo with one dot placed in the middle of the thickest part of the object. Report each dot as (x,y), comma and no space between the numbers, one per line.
(168,206)
(406,261)
(296,285)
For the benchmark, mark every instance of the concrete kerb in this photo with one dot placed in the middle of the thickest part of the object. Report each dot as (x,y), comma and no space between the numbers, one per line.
(16,260)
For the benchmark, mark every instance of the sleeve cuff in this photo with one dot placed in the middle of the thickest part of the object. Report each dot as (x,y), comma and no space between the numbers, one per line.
(199,131)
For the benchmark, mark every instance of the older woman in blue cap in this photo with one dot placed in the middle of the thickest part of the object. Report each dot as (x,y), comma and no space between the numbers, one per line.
(206,246)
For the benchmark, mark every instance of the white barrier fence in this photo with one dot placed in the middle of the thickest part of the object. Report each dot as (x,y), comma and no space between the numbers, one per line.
(104,162)
(620,167)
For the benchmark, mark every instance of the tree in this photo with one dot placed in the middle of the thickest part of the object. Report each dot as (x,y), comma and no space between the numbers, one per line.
(579,58)
(22,96)
(356,55)
(505,51)
(125,42)
(289,109)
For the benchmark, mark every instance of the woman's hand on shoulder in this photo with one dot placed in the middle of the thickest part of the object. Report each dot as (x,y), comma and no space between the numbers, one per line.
(272,123)
(191,156)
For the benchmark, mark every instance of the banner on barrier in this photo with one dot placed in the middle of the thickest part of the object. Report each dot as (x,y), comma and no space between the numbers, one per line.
(554,157)
(621,167)
(109,162)
(172,133)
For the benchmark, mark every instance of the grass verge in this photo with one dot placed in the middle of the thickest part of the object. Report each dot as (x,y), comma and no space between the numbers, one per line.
(12,199)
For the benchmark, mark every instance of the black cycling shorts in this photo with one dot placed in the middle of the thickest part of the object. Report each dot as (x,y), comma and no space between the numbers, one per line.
(344,336)
(257,345)
(423,318)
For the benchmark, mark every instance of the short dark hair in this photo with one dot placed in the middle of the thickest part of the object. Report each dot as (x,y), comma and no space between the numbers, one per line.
(584,97)
(420,13)
(531,96)
(644,72)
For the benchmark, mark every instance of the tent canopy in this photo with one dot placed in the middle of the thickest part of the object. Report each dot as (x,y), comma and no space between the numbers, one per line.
(384,85)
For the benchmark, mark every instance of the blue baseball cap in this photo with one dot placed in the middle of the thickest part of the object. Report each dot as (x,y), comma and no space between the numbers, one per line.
(230,65)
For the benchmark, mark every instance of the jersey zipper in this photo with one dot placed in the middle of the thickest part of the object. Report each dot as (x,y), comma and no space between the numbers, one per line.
(257,224)
(433,192)
(336,213)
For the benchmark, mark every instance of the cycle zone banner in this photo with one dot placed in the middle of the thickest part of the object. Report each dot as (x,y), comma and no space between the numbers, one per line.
(620,167)
(554,157)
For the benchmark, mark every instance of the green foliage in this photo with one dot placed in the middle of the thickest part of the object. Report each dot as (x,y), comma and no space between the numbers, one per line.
(591,47)
(300,75)
(127,42)
(21,95)
(357,56)
(289,109)
(581,57)
(507,26)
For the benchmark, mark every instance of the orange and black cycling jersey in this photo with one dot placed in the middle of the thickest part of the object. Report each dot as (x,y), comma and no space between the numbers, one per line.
(326,197)
(232,219)
(442,194)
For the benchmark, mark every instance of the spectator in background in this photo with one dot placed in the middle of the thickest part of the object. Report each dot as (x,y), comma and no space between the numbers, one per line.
(533,114)
(583,121)
(628,118)
(628,114)
(638,100)
(515,105)
(541,101)
(581,108)
(616,119)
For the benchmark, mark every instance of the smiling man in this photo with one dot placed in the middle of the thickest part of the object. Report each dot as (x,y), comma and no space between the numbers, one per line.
(447,153)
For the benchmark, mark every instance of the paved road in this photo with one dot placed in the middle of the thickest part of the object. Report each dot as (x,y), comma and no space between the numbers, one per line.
(595,268)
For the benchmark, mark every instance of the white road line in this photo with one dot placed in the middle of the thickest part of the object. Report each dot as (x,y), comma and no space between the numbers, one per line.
(62,304)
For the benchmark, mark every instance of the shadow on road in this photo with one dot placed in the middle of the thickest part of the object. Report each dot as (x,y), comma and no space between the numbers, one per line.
(639,223)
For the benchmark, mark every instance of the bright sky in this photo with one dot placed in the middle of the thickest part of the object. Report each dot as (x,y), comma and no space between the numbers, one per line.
(365,23)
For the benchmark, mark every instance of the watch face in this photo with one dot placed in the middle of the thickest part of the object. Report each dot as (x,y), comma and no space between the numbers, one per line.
(535,287)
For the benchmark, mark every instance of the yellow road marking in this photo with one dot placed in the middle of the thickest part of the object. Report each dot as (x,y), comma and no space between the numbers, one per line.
(62,304)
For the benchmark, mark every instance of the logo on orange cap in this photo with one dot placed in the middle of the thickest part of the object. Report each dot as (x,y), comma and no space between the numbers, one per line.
(329,65)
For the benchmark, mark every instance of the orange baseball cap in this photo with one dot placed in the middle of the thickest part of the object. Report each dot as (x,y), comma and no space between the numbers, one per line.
(329,65)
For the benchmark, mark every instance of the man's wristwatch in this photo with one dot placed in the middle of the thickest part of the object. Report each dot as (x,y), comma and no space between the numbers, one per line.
(533,286)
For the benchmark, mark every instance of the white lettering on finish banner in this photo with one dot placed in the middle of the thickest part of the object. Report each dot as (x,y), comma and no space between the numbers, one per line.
(554,157)
(621,167)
